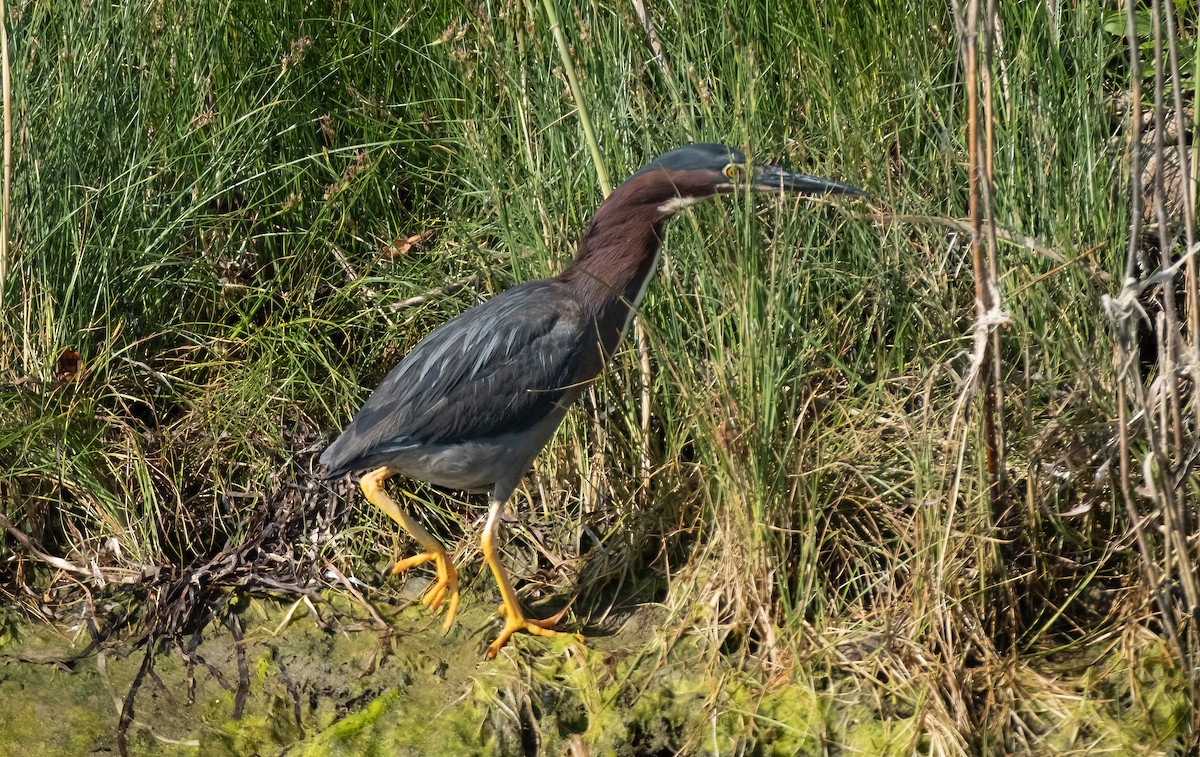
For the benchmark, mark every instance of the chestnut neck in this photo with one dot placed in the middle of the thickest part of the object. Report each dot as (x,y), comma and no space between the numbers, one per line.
(618,251)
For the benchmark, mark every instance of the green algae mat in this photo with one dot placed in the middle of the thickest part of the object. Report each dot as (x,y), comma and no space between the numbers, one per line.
(331,679)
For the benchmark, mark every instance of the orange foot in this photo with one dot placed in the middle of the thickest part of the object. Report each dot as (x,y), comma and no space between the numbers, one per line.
(516,621)
(446,583)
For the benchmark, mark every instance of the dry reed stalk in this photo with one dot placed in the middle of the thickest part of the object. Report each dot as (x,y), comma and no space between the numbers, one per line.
(985,371)
(1166,536)
(989,315)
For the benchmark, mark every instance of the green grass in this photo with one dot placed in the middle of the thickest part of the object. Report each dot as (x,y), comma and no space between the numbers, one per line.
(205,205)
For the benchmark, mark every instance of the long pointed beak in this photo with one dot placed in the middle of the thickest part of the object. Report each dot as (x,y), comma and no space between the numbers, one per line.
(775,179)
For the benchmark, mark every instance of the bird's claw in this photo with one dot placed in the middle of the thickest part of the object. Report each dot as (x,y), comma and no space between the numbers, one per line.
(445,585)
(514,622)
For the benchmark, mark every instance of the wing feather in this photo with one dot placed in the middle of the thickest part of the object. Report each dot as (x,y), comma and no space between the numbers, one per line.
(499,367)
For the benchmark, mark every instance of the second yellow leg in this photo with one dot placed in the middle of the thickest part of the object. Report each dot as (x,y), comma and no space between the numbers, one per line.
(514,616)
(446,584)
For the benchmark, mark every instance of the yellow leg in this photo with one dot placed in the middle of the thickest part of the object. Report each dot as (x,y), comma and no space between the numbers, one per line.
(447,577)
(514,617)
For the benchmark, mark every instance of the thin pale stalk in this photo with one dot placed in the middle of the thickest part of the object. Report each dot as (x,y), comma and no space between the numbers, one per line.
(1135,521)
(660,55)
(1184,558)
(1185,190)
(1175,428)
(996,388)
(1135,148)
(564,53)
(968,25)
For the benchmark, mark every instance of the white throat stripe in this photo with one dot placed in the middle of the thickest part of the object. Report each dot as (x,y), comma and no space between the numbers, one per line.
(676,204)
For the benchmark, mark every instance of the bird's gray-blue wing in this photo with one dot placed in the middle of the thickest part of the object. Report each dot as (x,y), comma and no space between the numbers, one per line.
(499,367)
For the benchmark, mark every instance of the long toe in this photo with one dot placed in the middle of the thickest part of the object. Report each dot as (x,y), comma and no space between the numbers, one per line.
(400,566)
(452,608)
(550,622)
(527,625)
(445,585)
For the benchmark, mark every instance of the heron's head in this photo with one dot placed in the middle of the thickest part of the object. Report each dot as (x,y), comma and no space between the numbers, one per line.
(693,173)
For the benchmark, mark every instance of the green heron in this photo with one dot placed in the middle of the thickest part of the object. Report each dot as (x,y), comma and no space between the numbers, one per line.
(472,405)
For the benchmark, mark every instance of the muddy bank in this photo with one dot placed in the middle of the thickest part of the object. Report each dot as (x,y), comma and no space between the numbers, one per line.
(342,684)
(320,687)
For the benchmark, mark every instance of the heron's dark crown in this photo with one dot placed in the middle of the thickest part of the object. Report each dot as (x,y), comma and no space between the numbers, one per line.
(703,156)
(697,171)
(691,173)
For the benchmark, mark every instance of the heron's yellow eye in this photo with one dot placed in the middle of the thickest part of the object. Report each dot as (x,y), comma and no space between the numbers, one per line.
(734,171)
